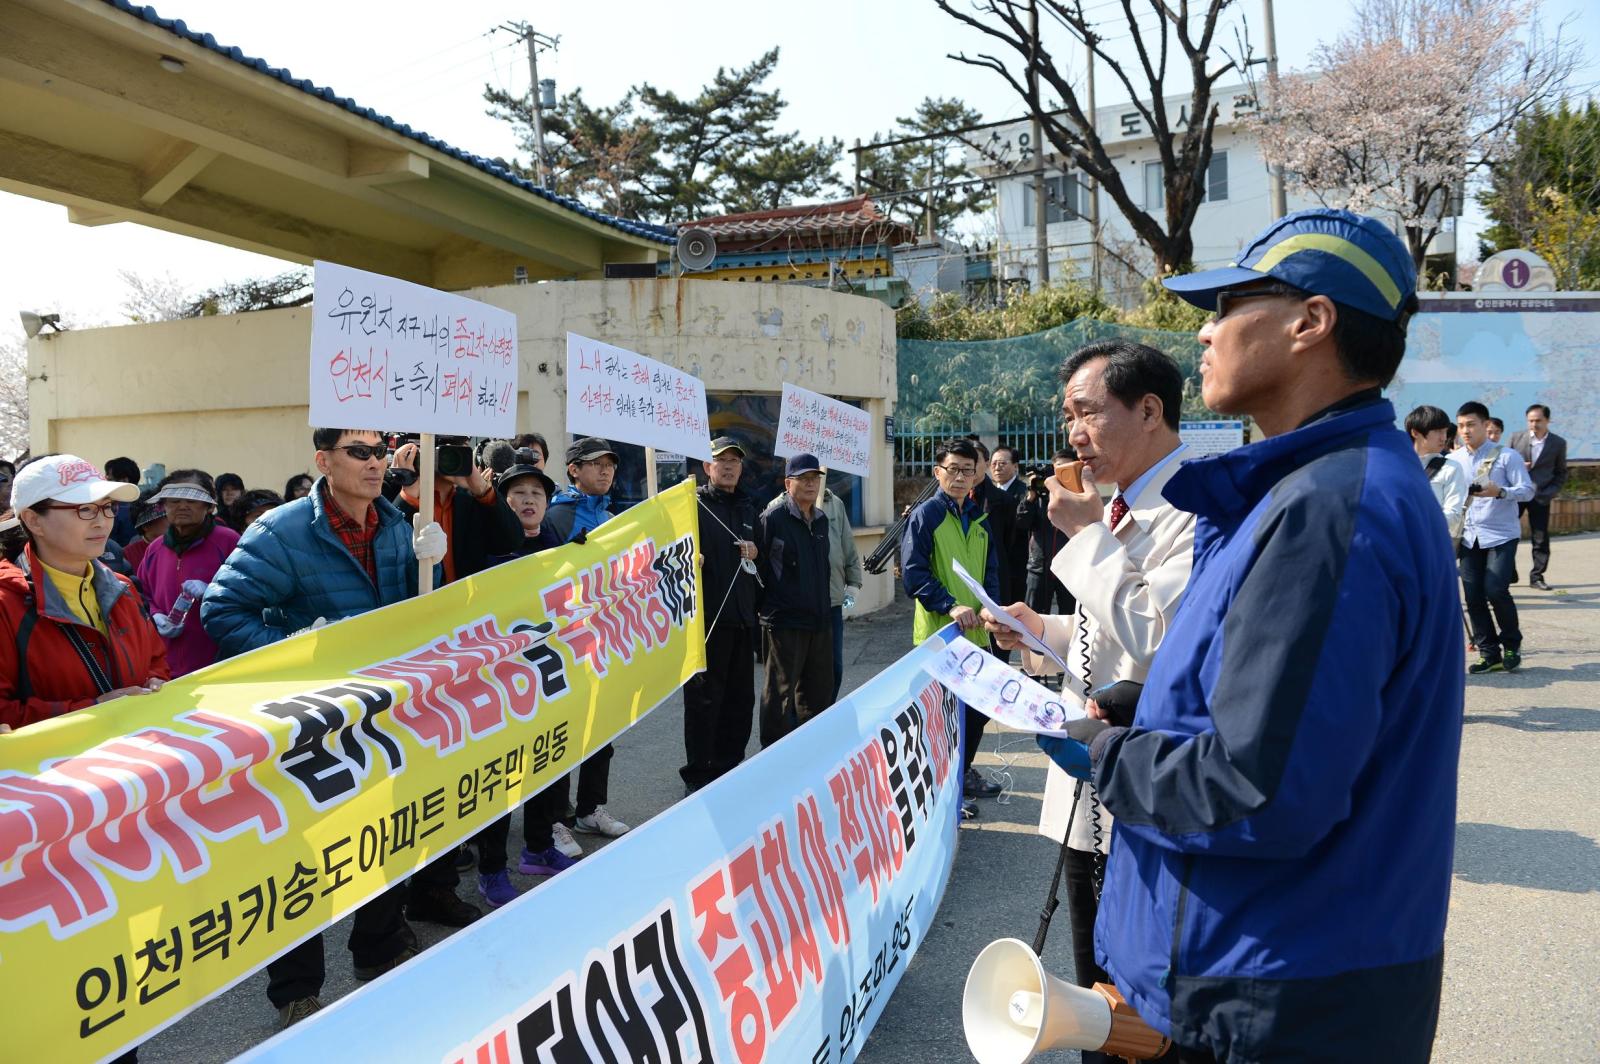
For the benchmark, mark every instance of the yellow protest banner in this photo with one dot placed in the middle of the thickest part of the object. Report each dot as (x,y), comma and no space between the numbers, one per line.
(157,849)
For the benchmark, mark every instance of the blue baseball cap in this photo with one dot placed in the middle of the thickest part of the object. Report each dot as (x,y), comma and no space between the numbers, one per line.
(801,464)
(1352,259)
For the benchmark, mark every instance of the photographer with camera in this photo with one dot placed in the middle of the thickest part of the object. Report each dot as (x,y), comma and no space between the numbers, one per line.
(476,520)
(1045,592)
(478,525)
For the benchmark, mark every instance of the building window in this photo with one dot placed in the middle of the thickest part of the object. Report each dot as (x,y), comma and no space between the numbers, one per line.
(1155,189)
(1217,178)
(1216,190)
(1065,199)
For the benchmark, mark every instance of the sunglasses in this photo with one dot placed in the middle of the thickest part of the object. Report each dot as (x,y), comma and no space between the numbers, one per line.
(1227,299)
(363,452)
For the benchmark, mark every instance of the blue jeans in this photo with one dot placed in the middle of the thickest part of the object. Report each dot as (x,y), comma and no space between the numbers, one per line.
(1487,574)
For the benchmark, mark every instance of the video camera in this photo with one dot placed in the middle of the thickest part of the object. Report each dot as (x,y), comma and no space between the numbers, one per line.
(452,458)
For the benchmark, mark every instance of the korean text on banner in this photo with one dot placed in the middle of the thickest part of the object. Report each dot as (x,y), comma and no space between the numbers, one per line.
(621,395)
(767,918)
(840,435)
(389,354)
(155,850)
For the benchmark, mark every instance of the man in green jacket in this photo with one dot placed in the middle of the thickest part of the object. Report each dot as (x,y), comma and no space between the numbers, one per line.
(949,527)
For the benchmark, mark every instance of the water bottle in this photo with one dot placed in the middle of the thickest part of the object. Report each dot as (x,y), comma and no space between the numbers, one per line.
(170,624)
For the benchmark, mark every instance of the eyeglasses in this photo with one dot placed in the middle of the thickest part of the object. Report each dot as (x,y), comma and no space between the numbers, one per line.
(1226,299)
(958,472)
(88,511)
(363,452)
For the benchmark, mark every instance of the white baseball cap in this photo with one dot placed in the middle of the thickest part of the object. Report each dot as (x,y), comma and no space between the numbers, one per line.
(66,478)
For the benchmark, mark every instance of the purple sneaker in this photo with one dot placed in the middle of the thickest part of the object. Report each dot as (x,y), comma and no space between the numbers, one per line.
(545,862)
(497,889)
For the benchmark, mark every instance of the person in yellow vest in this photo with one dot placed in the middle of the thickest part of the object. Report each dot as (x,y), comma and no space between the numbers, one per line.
(950,527)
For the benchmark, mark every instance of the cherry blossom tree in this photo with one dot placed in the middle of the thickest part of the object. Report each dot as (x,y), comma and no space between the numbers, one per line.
(1397,113)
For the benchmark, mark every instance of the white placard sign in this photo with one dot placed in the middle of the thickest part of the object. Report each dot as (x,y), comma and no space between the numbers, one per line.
(1207,438)
(837,433)
(389,354)
(622,395)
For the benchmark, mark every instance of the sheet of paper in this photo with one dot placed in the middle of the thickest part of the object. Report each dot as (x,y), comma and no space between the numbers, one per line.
(1033,642)
(1000,692)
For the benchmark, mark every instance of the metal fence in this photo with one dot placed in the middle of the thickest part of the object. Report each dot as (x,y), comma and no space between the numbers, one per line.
(1034,440)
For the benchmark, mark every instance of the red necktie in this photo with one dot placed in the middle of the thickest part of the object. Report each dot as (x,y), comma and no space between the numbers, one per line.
(1119,510)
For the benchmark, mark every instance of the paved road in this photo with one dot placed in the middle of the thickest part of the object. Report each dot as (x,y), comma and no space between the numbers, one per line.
(1523,953)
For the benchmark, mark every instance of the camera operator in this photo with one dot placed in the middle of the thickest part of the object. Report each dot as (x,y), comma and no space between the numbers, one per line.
(478,525)
(1127,570)
(1045,591)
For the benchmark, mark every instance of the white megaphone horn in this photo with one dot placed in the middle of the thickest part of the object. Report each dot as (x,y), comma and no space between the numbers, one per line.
(1013,1010)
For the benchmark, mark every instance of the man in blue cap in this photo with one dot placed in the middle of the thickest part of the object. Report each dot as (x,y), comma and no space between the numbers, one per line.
(796,613)
(1285,791)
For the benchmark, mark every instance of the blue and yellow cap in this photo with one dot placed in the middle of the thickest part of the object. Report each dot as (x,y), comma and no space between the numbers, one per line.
(1350,258)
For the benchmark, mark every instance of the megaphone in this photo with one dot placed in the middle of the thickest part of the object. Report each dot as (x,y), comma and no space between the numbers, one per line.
(1013,1010)
(697,249)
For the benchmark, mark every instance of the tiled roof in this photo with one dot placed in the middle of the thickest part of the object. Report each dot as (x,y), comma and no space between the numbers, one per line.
(659,234)
(857,219)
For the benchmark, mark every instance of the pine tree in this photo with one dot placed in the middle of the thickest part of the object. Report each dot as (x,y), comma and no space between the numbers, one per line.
(940,162)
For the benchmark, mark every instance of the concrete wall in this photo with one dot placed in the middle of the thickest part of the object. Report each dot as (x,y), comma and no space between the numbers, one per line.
(228,394)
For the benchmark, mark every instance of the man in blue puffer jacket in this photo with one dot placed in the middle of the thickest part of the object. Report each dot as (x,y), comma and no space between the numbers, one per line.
(1285,795)
(340,551)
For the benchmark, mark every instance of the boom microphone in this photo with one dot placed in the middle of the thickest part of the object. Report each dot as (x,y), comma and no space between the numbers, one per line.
(1013,1010)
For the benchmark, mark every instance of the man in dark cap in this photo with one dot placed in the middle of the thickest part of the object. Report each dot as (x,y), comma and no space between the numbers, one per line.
(796,613)
(717,704)
(578,509)
(1285,790)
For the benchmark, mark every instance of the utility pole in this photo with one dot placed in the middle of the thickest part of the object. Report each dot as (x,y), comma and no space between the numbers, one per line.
(1280,205)
(1093,186)
(535,40)
(1041,233)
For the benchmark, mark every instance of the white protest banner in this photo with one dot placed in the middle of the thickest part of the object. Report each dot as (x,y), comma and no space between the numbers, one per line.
(837,433)
(621,395)
(389,354)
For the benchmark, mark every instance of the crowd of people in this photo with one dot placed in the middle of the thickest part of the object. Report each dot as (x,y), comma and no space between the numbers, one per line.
(1267,642)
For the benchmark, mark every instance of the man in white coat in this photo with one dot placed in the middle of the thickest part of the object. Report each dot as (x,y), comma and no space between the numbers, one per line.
(1127,567)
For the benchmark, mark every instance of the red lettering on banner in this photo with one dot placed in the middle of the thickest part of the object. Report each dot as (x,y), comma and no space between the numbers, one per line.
(609,611)
(456,688)
(125,805)
(825,881)
(746,1024)
(802,953)
(865,805)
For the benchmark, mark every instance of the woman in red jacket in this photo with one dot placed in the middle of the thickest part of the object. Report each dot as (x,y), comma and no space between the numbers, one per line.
(72,632)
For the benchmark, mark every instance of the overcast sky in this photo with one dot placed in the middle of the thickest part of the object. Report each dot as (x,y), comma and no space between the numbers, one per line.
(848,69)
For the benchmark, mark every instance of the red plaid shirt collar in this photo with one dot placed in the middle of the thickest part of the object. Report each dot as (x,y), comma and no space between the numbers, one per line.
(356,537)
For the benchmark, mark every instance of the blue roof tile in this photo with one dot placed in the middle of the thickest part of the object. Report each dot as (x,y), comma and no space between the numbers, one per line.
(658,233)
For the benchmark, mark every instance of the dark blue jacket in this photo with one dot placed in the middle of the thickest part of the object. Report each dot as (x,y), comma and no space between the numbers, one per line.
(290,568)
(916,551)
(1285,801)
(792,558)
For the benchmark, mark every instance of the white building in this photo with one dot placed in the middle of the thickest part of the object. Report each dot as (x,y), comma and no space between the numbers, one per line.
(1237,204)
